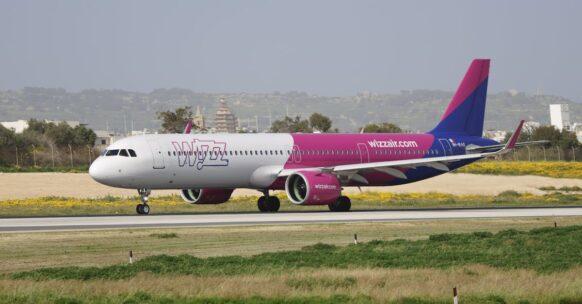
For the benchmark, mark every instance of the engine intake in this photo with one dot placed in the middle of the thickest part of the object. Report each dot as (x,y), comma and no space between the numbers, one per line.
(206,196)
(312,188)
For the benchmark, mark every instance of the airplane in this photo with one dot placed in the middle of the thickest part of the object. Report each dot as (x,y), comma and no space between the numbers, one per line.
(311,168)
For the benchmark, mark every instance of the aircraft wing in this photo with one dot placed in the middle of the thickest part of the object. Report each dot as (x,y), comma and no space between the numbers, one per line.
(495,147)
(392,167)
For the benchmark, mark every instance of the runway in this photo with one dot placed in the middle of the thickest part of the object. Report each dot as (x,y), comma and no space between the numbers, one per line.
(229,219)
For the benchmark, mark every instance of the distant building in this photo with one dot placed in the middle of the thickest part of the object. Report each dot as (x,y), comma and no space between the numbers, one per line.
(20,125)
(142,132)
(560,116)
(531,125)
(17,126)
(577,128)
(199,120)
(103,139)
(496,135)
(224,120)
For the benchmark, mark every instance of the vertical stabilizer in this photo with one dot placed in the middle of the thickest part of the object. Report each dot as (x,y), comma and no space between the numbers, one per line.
(466,111)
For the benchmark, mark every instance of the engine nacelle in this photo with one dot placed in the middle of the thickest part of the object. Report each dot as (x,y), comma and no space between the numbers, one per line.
(206,196)
(312,188)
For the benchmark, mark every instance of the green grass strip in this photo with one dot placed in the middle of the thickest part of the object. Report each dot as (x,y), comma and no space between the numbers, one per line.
(544,250)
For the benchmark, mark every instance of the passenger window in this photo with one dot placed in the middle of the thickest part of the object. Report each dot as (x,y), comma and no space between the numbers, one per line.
(112,152)
(123,153)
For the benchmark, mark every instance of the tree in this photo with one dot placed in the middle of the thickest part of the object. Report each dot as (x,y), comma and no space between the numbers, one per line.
(568,140)
(320,122)
(563,139)
(290,125)
(83,136)
(174,121)
(547,133)
(385,127)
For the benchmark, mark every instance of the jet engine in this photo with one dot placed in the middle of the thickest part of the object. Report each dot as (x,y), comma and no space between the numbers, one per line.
(206,196)
(312,188)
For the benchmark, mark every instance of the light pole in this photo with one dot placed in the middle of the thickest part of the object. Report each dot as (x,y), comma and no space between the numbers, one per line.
(71,154)
(16,156)
(34,155)
(53,155)
(89,149)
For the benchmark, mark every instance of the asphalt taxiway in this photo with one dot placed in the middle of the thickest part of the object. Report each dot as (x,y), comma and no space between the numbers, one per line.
(229,219)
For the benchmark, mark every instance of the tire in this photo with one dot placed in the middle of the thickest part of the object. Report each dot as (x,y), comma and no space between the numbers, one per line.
(273,203)
(138,209)
(342,204)
(145,209)
(262,204)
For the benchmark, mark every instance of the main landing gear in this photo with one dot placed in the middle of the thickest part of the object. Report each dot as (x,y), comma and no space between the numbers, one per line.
(342,204)
(143,208)
(268,203)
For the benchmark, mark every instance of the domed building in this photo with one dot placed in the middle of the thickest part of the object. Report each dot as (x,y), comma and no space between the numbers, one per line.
(224,120)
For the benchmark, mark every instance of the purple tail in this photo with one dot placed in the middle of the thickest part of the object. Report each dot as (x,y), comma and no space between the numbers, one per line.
(466,111)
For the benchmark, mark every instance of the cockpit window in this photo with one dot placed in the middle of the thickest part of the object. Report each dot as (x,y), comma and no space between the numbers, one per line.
(103,153)
(123,153)
(132,153)
(112,152)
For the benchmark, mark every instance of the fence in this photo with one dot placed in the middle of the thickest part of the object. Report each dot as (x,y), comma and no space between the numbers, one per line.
(48,157)
(543,154)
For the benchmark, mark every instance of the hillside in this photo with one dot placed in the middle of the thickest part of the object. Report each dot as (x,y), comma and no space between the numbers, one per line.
(416,110)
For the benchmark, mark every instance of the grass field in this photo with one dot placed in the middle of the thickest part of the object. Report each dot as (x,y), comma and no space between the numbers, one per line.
(540,168)
(57,206)
(291,264)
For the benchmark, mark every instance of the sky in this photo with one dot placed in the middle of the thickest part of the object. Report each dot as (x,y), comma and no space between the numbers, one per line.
(333,48)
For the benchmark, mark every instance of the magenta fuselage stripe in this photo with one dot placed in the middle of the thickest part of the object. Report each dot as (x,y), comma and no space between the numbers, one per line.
(320,150)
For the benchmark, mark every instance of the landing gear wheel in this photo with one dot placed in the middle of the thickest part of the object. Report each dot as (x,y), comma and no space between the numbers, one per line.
(261,203)
(268,204)
(273,203)
(145,209)
(342,204)
(142,209)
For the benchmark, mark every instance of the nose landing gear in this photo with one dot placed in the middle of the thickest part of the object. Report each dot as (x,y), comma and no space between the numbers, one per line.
(143,208)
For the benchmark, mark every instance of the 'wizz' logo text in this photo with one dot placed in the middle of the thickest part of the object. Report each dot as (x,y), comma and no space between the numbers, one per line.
(201,153)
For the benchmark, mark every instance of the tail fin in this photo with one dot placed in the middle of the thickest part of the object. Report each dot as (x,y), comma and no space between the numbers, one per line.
(466,111)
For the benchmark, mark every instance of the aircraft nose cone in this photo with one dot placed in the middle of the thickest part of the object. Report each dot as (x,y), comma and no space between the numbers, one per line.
(97,171)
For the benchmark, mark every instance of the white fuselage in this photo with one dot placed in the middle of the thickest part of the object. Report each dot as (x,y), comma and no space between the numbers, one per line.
(182,161)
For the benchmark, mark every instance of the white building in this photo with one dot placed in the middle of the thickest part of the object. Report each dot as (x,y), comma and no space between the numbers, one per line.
(496,135)
(106,138)
(577,128)
(17,126)
(560,116)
